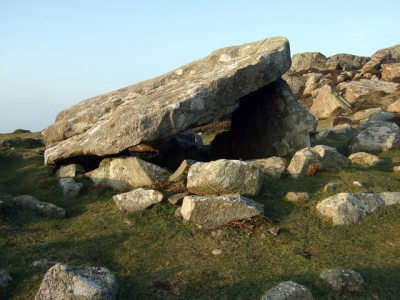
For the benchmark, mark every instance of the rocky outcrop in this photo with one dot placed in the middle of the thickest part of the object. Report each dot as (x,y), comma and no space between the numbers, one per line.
(306,61)
(127,172)
(328,103)
(288,290)
(272,123)
(68,282)
(346,62)
(391,72)
(138,199)
(391,54)
(355,89)
(342,280)
(224,177)
(213,211)
(195,94)
(347,208)
(30,203)
(70,187)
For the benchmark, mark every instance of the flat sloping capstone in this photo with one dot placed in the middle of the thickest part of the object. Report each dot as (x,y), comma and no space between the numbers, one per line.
(195,94)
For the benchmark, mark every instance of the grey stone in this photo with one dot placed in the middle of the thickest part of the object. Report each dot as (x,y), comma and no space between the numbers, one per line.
(348,208)
(307,60)
(127,172)
(355,89)
(69,282)
(138,199)
(288,290)
(224,177)
(180,175)
(366,114)
(297,196)
(346,62)
(198,93)
(71,170)
(30,203)
(301,162)
(70,187)
(383,116)
(330,158)
(376,139)
(213,211)
(273,167)
(343,280)
(177,198)
(328,103)
(364,158)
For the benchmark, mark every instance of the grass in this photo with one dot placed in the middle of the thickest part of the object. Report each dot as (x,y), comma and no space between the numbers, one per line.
(155,255)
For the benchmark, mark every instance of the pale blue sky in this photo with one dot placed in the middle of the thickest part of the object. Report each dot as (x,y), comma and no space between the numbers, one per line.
(54,53)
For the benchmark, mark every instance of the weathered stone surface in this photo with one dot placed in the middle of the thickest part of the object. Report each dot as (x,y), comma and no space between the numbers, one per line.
(391,72)
(307,60)
(70,187)
(138,199)
(30,203)
(308,161)
(347,208)
(394,107)
(297,196)
(383,116)
(346,62)
(177,198)
(363,158)
(270,122)
(296,83)
(68,282)
(330,158)
(127,172)
(71,170)
(366,113)
(273,167)
(355,89)
(376,139)
(302,159)
(328,102)
(311,84)
(373,123)
(343,280)
(195,94)
(224,177)
(288,290)
(5,278)
(180,175)
(213,211)
(381,56)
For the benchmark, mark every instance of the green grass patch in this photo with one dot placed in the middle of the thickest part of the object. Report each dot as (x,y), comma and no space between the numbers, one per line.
(155,255)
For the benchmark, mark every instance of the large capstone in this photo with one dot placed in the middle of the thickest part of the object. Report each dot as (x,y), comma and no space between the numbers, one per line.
(195,94)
